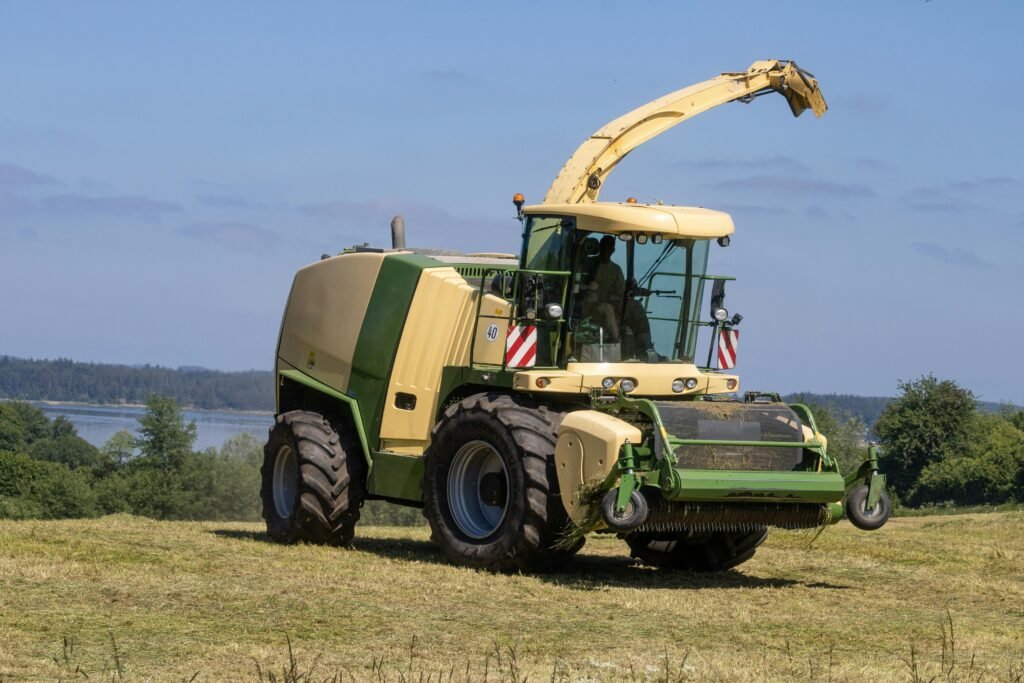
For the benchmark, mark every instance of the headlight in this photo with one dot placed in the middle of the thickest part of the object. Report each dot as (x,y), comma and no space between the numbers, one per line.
(678,385)
(554,311)
(608,382)
(627,384)
(720,314)
(731,385)
(691,383)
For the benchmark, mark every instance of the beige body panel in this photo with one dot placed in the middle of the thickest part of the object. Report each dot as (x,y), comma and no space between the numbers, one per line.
(615,218)
(652,379)
(437,333)
(489,349)
(581,178)
(321,324)
(559,381)
(587,449)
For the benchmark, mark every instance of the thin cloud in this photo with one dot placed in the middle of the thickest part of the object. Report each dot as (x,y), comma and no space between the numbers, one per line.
(863,103)
(122,206)
(873,164)
(779,163)
(19,176)
(450,77)
(936,199)
(941,206)
(15,205)
(232,235)
(796,184)
(815,211)
(954,257)
(756,209)
(425,223)
(222,201)
(989,183)
(944,190)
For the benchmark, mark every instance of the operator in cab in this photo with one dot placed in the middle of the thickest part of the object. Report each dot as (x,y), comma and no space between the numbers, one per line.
(607,290)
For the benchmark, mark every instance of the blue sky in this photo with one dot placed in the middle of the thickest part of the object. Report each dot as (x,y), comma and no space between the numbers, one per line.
(164,169)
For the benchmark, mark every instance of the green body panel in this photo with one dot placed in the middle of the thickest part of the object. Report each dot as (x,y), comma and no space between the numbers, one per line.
(775,487)
(380,335)
(396,476)
(357,418)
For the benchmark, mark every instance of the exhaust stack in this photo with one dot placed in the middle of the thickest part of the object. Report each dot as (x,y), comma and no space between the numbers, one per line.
(398,232)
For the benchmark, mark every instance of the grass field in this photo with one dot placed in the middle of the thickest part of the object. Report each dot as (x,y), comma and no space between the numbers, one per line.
(122,598)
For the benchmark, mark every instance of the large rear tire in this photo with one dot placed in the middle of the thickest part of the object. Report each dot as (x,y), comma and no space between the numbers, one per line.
(490,490)
(706,552)
(314,480)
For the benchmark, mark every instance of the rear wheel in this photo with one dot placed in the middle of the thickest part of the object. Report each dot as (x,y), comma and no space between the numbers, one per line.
(490,490)
(313,480)
(702,552)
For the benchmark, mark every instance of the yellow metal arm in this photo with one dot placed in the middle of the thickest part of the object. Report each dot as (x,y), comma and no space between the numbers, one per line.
(581,178)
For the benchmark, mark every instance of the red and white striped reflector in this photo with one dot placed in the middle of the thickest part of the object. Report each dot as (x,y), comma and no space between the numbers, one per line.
(728,340)
(521,346)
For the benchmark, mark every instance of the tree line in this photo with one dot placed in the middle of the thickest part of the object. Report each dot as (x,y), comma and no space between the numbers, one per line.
(939,445)
(71,381)
(937,448)
(47,471)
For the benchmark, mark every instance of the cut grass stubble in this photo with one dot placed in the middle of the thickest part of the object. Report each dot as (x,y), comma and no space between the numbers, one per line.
(123,598)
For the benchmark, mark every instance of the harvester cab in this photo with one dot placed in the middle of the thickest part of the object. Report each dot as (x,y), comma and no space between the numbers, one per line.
(525,402)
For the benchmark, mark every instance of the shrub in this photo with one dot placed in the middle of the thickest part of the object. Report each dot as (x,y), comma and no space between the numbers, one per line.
(989,471)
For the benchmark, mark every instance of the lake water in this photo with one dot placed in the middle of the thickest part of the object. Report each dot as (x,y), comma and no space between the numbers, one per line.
(96,424)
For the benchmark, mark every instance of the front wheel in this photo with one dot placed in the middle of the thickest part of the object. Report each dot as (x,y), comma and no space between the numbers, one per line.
(702,552)
(490,490)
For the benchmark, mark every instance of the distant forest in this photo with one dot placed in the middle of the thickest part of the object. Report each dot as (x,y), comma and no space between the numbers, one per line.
(66,380)
(867,408)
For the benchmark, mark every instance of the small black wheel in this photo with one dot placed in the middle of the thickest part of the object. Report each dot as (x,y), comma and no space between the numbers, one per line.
(701,552)
(490,491)
(860,516)
(314,480)
(633,516)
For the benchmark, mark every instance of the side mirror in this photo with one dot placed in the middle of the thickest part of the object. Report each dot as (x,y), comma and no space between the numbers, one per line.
(718,299)
(503,284)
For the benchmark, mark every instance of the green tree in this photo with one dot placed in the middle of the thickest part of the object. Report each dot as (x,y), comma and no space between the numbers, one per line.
(164,438)
(12,429)
(67,449)
(989,472)
(35,489)
(243,447)
(119,448)
(845,433)
(36,424)
(1013,415)
(930,421)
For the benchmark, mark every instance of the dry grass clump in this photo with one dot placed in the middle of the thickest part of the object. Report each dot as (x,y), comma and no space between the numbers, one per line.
(128,599)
